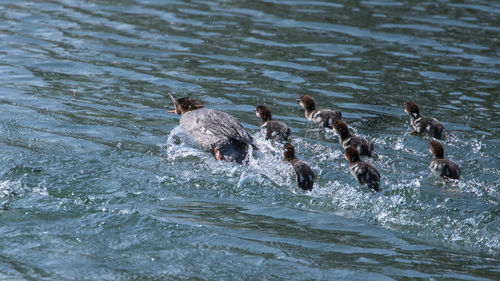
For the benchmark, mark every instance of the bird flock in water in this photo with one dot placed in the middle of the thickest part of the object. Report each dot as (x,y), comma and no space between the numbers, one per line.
(223,134)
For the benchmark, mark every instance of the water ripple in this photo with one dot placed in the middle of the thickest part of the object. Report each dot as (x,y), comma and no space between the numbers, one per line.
(98,182)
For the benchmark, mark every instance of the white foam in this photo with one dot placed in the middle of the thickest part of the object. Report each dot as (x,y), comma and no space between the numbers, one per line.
(10,188)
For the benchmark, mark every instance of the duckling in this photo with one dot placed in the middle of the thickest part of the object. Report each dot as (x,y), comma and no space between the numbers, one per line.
(305,175)
(364,172)
(423,124)
(347,139)
(270,128)
(440,167)
(322,117)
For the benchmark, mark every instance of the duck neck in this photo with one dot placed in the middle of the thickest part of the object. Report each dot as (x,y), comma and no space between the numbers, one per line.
(436,157)
(354,159)
(309,112)
(344,135)
(289,157)
(265,120)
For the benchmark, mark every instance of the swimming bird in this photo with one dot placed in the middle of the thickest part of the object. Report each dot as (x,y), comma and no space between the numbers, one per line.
(304,173)
(364,172)
(214,130)
(270,128)
(321,117)
(347,139)
(440,167)
(423,124)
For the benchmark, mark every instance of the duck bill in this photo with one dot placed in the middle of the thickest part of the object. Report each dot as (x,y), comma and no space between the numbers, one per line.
(174,101)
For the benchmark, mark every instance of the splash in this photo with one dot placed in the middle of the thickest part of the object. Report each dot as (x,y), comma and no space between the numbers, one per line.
(263,165)
(411,200)
(399,143)
(180,145)
(18,188)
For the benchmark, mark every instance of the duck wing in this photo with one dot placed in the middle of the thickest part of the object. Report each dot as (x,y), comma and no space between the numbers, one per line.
(325,117)
(305,175)
(364,146)
(276,130)
(450,170)
(367,174)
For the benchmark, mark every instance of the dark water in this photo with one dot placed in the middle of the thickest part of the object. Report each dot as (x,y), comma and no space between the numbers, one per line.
(97,182)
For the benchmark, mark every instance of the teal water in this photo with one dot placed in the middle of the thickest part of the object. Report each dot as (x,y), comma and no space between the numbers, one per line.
(97,182)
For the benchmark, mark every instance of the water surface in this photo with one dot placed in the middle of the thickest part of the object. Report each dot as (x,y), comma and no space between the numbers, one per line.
(97,182)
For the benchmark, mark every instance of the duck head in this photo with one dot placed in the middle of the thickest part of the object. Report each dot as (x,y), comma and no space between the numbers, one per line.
(412,109)
(437,149)
(340,127)
(307,102)
(263,112)
(184,105)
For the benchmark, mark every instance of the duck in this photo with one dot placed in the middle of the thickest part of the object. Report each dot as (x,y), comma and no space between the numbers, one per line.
(440,167)
(347,139)
(271,129)
(304,173)
(322,117)
(366,173)
(214,130)
(423,124)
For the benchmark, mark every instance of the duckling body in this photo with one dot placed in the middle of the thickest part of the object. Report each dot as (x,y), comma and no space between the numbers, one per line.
(304,173)
(445,168)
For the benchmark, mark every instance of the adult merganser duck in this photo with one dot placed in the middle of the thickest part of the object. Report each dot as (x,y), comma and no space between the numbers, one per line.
(422,124)
(364,172)
(305,175)
(270,128)
(440,167)
(347,139)
(214,130)
(321,117)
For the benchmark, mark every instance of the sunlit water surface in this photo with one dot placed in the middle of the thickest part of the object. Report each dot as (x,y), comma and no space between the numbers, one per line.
(97,182)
